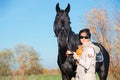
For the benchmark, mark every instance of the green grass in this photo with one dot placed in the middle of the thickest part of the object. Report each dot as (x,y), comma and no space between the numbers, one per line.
(44,77)
(39,77)
(35,77)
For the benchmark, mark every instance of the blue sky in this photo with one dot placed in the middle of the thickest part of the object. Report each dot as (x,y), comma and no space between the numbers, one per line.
(30,22)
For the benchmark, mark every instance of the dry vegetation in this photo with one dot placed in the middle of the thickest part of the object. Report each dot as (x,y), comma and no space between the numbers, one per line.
(21,62)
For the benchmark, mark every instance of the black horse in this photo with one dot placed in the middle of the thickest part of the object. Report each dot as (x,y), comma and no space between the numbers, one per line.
(68,40)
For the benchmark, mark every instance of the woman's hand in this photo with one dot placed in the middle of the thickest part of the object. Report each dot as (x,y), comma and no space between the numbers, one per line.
(75,56)
(68,52)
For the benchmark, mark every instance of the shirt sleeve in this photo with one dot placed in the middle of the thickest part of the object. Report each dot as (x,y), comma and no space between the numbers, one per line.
(89,56)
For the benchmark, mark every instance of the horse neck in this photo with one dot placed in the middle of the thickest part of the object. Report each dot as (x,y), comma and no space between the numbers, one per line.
(73,41)
(62,54)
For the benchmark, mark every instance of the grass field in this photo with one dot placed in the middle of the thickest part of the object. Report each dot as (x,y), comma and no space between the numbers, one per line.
(45,77)
(37,77)
(33,77)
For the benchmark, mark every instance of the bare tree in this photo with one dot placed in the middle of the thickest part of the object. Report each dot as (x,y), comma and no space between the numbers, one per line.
(98,24)
(116,55)
(28,59)
(6,59)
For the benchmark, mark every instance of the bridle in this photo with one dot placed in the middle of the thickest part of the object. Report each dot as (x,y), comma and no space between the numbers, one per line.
(67,38)
(61,18)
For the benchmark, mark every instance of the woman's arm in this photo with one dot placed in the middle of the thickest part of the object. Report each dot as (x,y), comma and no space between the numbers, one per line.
(88,58)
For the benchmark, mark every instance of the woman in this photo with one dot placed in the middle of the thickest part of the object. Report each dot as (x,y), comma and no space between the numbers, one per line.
(87,61)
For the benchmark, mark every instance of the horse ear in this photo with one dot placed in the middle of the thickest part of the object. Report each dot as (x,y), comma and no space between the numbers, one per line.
(68,8)
(57,7)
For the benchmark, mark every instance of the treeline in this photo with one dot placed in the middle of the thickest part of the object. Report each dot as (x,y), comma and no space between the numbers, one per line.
(22,60)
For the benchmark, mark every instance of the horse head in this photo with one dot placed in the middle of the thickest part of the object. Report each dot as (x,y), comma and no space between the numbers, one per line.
(62,25)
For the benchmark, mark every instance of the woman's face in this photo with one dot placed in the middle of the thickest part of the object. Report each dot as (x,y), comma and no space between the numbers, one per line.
(84,38)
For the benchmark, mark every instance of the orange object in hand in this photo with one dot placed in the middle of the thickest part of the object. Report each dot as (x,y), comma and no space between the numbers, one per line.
(79,51)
